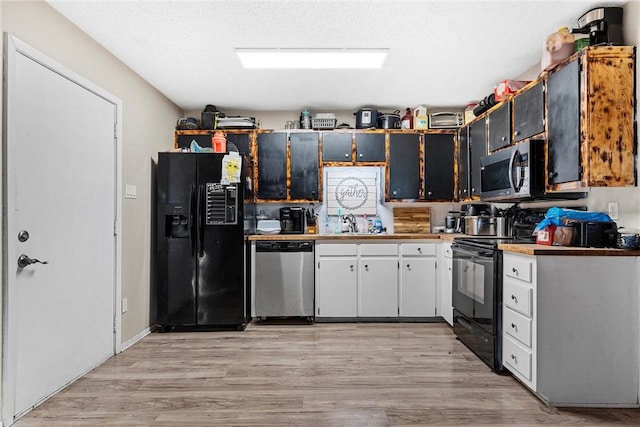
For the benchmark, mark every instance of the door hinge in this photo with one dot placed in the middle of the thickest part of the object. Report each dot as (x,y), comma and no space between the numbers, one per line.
(398,265)
(318,264)
(580,171)
(318,311)
(398,311)
(115,131)
(115,228)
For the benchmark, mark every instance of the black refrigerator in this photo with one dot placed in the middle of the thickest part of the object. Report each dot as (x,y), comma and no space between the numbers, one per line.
(200,264)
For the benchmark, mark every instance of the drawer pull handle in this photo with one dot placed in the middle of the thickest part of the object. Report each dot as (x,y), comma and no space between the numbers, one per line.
(514,298)
(513,325)
(514,358)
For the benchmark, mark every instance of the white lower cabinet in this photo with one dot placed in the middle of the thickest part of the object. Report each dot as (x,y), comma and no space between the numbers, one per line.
(446,283)
(570,327)
(382,279)
(378,287)
(417,280)
(337,288)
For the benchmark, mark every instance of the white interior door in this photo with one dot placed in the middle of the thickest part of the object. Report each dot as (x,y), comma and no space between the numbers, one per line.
(61,190)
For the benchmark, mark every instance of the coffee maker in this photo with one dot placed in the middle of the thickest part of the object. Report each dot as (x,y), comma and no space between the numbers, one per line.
(292,220)
(603,24)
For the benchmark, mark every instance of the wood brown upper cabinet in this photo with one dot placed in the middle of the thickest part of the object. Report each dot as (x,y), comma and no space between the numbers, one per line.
(590,120)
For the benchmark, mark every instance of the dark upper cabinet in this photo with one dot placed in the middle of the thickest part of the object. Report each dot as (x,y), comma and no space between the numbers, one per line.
(463,163)
(370,147)
(528,112)
(272,165)
(563,97)
(404,166)
(499,127)
(439,152)
(477,149)
(303,151)
(336,147)
(242,141)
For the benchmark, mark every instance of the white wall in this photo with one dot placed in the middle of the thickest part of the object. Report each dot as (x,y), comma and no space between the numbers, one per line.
(149,121)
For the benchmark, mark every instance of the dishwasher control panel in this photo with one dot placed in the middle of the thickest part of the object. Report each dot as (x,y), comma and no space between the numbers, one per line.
(284,246)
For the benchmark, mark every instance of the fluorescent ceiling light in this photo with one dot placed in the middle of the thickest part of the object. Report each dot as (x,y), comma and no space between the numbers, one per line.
(312,58)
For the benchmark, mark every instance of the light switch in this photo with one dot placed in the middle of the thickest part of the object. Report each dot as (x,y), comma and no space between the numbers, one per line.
(129,191)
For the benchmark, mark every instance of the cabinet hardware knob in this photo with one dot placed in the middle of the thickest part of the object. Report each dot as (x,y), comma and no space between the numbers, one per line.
(513,325)
(553,174)
(419,250)
(514,298)
(504,138)
(395,192)
(449,268)
(346,155)
(516,133)
(351,267)
(366,266)
(409,266)
(514,358)
(361,155)
(430,193)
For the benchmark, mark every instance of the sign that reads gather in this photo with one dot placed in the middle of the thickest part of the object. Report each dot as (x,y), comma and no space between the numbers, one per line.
(352,191)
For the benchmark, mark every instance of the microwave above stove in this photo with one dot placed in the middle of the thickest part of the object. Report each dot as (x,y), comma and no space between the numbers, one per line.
(514,173)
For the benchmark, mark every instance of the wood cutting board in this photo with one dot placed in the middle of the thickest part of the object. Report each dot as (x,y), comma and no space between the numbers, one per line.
(411,220)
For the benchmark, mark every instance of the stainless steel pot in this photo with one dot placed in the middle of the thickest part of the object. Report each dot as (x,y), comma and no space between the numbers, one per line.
(480,225)
(389,120)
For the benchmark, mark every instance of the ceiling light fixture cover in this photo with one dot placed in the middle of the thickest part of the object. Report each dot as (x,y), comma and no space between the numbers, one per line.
(283,58)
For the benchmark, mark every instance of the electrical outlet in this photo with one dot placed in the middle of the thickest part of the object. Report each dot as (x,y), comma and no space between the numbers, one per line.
(129,191)
(124,305)
(613,210)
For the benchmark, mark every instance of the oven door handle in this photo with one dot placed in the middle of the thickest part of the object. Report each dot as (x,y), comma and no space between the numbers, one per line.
(480,253)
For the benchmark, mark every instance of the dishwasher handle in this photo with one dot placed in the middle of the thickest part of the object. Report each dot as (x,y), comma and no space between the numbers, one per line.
(284,246)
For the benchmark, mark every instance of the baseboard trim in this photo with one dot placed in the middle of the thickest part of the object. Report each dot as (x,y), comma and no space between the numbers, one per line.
(131,341)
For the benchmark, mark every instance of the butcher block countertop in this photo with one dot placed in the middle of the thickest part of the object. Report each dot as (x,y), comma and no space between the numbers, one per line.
(520,248)
(535,249)
(382,236)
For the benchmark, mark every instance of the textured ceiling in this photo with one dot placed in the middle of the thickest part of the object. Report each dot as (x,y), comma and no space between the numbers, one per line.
(442,52)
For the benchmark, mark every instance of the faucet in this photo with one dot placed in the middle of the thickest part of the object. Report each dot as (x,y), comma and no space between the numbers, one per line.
(353,224)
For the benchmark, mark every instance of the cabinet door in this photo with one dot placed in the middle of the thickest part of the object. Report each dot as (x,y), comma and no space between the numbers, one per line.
(499,124)
(439,152)
(417,287)
(404,166)
(563,97)
(478,149)
(463,163)
(378,287)
(242,141)
(272,165)
(336,147)
(528,112)
(447,285)
(303,149)
(370,147)
(336,288)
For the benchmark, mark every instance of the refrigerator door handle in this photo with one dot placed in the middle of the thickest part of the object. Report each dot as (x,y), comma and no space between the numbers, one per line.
(192,222)
(199,209)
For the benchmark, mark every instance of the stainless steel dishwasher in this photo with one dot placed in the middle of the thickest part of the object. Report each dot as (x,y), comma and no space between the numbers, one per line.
(283,279)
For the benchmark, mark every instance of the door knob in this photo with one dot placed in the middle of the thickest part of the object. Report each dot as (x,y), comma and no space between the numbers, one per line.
(24,260)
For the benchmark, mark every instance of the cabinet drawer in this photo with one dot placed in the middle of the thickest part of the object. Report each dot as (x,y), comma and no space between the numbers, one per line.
(517,326)
(517,297)
(518,268)
(418,249)
(337,249)
(447,252)
(516,358)
(390,249)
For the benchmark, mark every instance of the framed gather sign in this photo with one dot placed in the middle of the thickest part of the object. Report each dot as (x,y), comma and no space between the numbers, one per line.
(352,191)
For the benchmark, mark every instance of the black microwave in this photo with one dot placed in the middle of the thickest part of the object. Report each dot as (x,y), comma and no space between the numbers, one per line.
(514,173)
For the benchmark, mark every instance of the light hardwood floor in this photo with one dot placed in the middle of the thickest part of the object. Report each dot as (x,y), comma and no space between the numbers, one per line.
(306,375)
